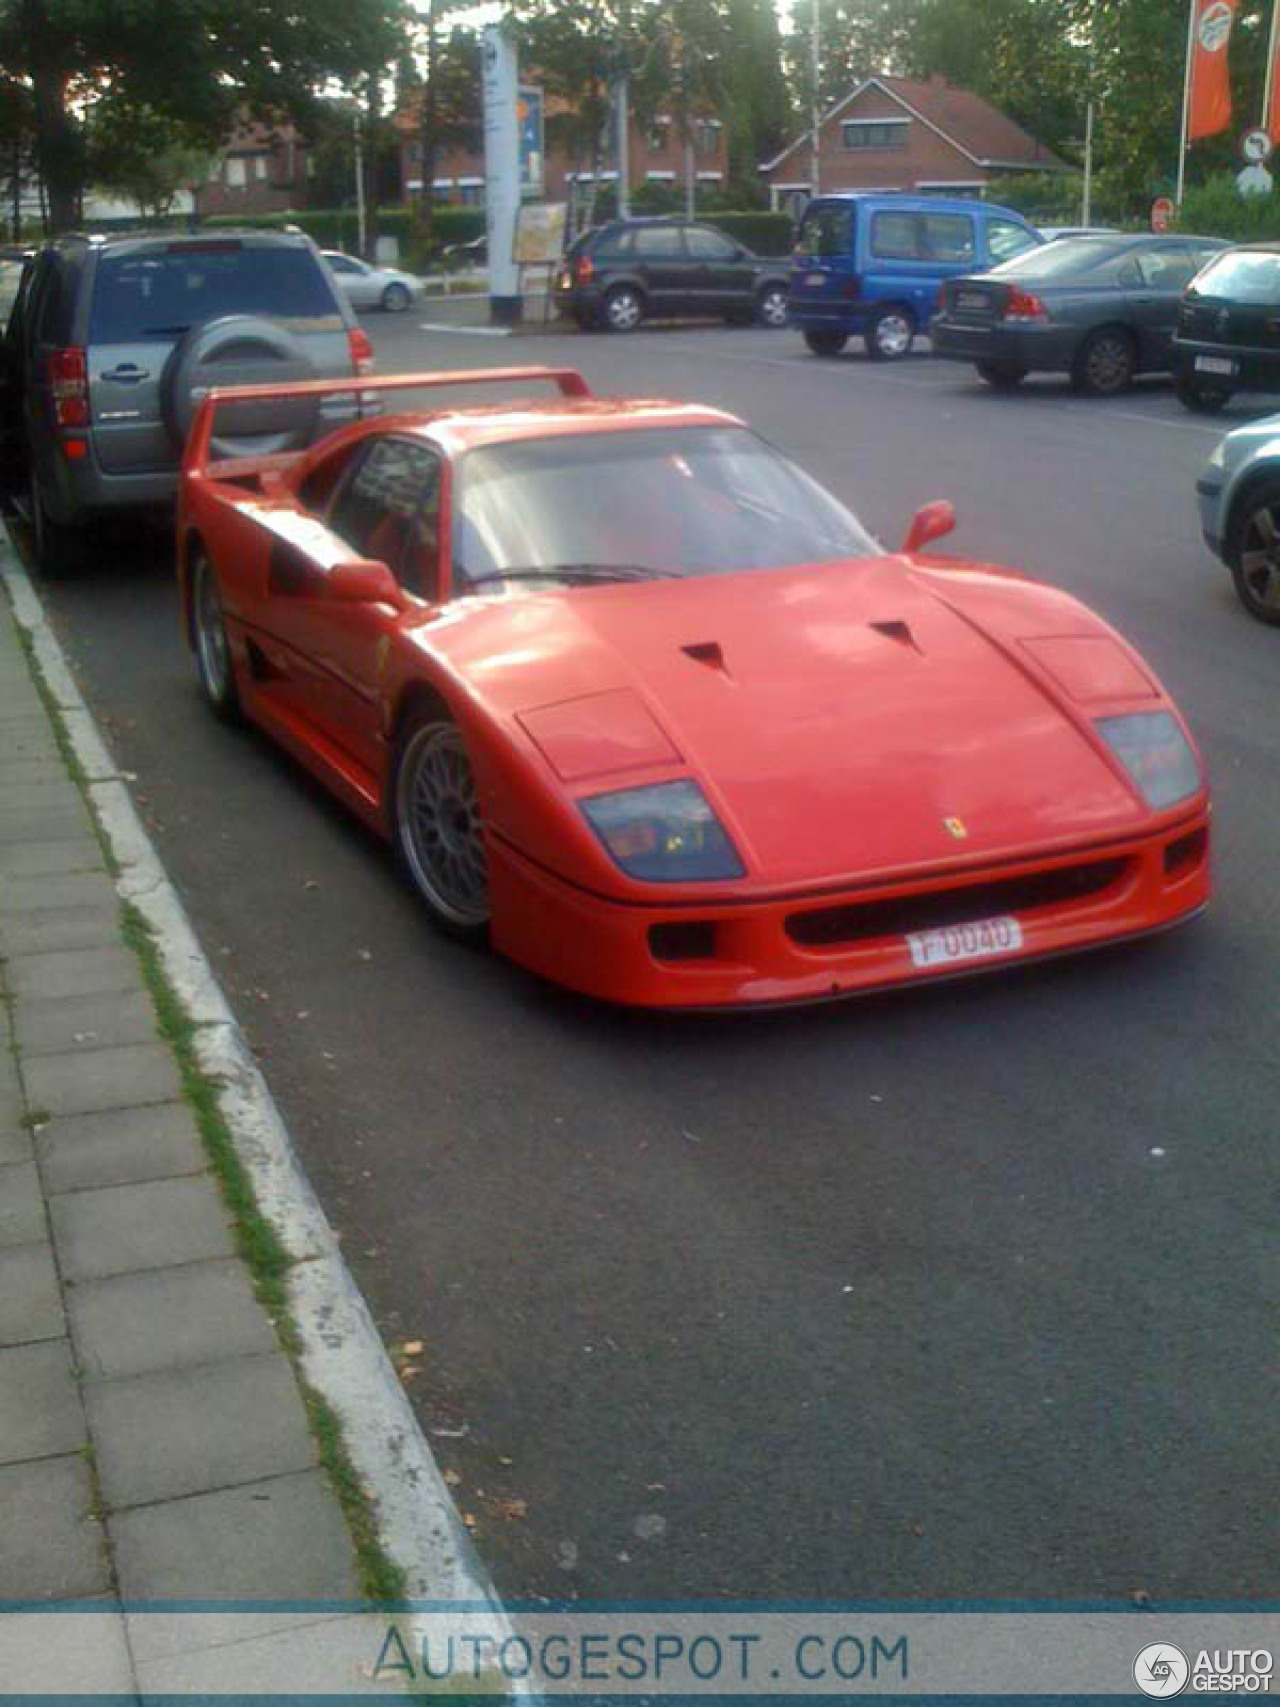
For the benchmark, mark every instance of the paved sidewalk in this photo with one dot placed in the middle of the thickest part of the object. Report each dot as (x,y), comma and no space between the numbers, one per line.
(153,1440)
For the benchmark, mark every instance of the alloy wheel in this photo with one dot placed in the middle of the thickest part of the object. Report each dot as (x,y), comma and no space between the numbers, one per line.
(1258,574)
(439,826)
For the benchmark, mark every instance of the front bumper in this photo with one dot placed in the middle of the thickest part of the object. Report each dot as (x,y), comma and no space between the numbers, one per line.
(1041,349)
(751,952)
(1209,502)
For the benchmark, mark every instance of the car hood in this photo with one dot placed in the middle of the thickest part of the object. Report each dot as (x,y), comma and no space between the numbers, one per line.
(842,719)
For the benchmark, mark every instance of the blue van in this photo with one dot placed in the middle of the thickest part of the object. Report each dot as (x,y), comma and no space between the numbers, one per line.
(875,263)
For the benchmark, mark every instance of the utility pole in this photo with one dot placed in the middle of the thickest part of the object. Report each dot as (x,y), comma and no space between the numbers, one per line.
(624,142)
(1087,193)
(360,225)
(814,116)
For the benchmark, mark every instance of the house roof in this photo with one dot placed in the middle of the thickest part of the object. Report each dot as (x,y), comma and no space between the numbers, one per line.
(965,120)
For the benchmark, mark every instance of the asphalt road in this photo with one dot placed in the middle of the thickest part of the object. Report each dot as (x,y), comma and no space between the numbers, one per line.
(965,1293)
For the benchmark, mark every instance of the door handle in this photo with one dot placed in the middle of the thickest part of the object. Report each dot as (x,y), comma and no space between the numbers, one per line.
(128,373)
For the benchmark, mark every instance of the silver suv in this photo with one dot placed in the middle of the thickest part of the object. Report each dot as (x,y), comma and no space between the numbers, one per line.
(113,341)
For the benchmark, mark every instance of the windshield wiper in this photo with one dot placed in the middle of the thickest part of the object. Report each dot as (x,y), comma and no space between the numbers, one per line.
(579,572)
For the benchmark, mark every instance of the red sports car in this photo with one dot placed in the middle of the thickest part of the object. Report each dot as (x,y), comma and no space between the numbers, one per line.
(639,700)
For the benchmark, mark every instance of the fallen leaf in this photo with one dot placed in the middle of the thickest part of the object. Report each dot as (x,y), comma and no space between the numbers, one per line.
(410,1370)
(452,1479)
(511,1508)
(412,1348)
(469,1519)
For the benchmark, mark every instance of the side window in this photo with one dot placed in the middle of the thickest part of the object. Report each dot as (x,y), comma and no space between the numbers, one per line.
(1168,267)
(341,264)
(657,243)
(946,237)
(896,236)
(704,245)
(389,510)
(1005,239)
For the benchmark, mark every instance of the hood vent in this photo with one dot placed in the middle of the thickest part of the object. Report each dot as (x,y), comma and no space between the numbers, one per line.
(707,652)
(896,631)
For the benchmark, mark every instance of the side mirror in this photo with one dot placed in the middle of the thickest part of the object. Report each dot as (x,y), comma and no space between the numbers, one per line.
(365,582)
(931,521)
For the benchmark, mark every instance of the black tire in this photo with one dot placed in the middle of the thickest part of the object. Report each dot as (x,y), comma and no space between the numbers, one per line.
(623,309)
(396,298)
(826,343)
(59,550)
(1253,551)
(1001,376)
(1200,396)
(771,307)
(890,333)
(210,643)
(437,826)
(1105,363)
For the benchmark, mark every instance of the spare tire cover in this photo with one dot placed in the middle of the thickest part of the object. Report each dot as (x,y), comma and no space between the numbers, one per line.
(240,349)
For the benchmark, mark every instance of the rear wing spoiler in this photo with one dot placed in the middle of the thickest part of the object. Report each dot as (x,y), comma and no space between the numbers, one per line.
(196,456)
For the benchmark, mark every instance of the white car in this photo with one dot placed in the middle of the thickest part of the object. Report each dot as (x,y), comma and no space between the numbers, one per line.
(372,287)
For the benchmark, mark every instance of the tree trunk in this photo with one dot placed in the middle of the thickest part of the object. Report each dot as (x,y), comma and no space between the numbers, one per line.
(59,155)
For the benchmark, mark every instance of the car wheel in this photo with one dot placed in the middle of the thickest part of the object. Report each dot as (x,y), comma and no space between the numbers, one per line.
(623,309)
(1203,398)
(826,343)
(1254,551)
(771,306)
(889,334)
(396,298)
(439,831)
(209,636)
(1001,376)
(1105,363)
(58,549)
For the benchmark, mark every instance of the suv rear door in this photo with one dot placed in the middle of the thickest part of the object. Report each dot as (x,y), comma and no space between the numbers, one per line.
(147,296)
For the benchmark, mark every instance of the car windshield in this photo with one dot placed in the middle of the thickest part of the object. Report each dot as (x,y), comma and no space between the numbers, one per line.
(1061,259)
(160,293)
(1244,275)
(684,501)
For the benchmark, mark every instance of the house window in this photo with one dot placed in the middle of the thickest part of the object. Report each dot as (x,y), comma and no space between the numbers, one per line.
(874,133)
(260,167)
(236,177)
(471,195)
(706,139)
(658,135)
(415,153)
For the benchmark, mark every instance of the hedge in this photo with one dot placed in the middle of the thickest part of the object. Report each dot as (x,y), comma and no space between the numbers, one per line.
(766,233)
(1217,209)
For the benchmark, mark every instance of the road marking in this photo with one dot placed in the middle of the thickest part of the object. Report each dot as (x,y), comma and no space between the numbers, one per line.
(466,331)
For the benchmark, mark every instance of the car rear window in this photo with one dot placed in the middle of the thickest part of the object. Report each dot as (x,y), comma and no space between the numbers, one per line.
(1244,275)
(825,232)
(1061,259)
(159,294)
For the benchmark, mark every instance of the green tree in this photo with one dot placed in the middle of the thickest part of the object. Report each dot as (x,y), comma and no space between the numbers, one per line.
(136,152)
(757,107)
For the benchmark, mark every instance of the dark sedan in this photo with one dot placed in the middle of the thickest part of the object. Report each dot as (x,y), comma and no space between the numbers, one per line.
(1228,336)
(1101,309)
(651,269)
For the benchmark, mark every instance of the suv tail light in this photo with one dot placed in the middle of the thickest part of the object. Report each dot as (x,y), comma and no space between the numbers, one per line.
(1022,305)
(361,350)
(586,269)
(69,381)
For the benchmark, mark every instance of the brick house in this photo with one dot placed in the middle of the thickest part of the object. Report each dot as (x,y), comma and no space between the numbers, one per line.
(895,133)
(261,169)
(656,155)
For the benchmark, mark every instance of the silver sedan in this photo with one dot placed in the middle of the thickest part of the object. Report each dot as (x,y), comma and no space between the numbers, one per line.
(372,287)
(1239,496)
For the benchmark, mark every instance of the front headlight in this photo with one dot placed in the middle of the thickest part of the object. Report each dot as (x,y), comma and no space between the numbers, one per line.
(1156,754)
(1218,455)
(666,833)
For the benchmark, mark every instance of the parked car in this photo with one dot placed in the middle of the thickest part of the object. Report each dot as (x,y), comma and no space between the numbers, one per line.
(112,342)
(12,264)
(1051,233)
(873,264)
(1228,334)
(1239,496)
(473,253)
(1099,308)
(641,703)
(372,287)
(657,269)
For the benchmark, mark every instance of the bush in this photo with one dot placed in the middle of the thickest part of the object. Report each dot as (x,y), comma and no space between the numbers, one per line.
(770,234)
(1217,209)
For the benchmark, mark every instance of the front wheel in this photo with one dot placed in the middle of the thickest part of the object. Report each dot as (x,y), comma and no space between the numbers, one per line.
(439,831)
(826,343)
(212,648)
(1106,364)
(1200,397)
(1001,376)
(889,334)
(623,309)
(771,306)
(1254,552)
(396,298)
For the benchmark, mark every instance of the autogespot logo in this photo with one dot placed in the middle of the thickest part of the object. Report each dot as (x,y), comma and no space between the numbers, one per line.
(1161,1669)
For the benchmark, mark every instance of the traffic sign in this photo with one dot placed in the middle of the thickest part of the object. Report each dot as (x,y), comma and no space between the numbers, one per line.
(1162,212)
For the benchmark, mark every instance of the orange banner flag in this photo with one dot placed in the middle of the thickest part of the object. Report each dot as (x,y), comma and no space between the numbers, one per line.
(1209,83)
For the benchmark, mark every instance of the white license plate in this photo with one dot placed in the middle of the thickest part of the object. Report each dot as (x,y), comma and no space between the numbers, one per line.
(965,942)
(970,299)
(816,279)
(1214,364)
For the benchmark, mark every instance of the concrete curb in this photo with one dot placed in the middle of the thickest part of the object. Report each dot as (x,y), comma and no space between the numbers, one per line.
(342,1353)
